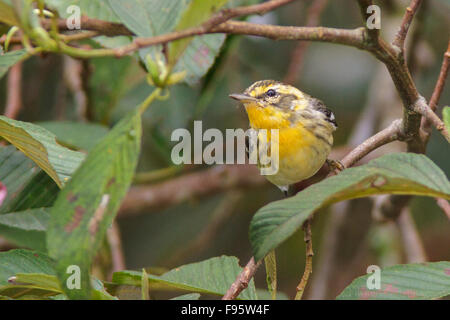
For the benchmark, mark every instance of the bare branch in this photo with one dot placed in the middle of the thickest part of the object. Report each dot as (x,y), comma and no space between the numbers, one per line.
(115,243)
(422,108)
(444,205)
(14,85)
(102,27)
(188,186)
(439,87)
(412,244)
(242,280)
(308,261)
(391,133)
(373,34)
(400,37)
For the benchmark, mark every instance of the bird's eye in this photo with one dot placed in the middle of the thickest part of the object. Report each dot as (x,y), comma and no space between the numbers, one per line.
(271,93)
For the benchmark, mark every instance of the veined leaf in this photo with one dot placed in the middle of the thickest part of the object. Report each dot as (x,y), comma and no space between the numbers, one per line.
(98,9)
(16,171)
(39,192)
(17,261)
(147,18)
(196,54)
(399,173)
(43,286)
(212,276)
(40,145)
(9,59)
(430,280)
(87,205)
(26,228)
(76,135)
(198,12)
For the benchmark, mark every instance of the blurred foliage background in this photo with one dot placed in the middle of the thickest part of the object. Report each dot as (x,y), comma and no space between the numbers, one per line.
(346,79)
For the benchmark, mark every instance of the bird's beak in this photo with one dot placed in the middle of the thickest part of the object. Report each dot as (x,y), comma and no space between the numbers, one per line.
(242,97)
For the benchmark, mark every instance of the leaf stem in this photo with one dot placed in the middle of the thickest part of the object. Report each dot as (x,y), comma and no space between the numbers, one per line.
(154,95)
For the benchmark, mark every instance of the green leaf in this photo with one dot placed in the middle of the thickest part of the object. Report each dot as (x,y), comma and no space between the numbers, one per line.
(26,228)
(189,296)
(98,9)
(147,18)
(196,54)
(27,186)
(9,59)
(199,56)
(76,135)
(105,91)
(430,280)
(212,276)
(16,171)
(446,115)
(87,205)
(7,15)
(38,192)
(42,286)
(17,261)
(40,146)
(399,173)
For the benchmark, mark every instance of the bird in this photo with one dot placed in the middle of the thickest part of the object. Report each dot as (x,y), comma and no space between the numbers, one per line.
(305,129)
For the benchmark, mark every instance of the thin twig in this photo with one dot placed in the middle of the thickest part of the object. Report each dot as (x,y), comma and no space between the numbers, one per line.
(242,280)
(444,205)
(439,87)
(191,185)
(115,244)
(391,133)
(309,259)
(421,107)
(14,89)
(412,243)
(400,37)
(374,33)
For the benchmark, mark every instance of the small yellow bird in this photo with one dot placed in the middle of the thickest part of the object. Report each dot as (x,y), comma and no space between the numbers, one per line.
(305,127)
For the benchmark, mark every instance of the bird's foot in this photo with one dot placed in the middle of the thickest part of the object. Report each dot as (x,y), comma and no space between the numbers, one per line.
(335,165)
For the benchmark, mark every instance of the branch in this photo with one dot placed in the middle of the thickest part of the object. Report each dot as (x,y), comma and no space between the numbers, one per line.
(439,87)
(188,186)
(115,244)
(14,89)
(242,280)
(350,37)
(308,262)
(444,205)
(400,37)
(422,108)
(391,133)
(373,34)
(102,27)
(412,244)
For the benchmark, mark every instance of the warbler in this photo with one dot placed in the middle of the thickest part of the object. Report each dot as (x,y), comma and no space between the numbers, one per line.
(305,128)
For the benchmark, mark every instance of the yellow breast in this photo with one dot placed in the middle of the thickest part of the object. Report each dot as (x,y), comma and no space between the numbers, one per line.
(301,152)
